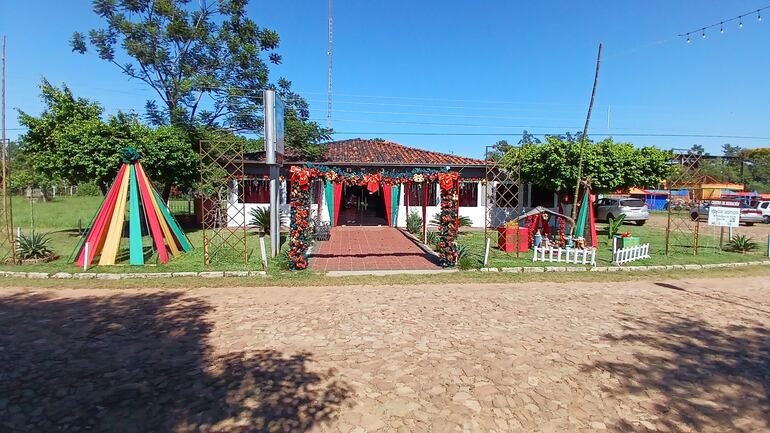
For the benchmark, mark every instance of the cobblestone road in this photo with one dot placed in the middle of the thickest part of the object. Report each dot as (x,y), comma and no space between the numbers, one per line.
(689,355)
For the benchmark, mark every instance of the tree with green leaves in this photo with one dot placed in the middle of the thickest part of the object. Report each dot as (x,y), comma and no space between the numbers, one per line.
(501,147)
(207,62)
(609,165)
(697,149)
(188,56)
(71,141)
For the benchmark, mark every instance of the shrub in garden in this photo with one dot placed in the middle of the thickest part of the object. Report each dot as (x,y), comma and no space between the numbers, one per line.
(466,260)
(741,244)
(414,224)
(34,246)
(260,218)
(432,239)
(88,189)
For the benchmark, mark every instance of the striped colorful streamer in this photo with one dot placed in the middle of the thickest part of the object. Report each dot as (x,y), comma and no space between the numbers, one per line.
(132,191)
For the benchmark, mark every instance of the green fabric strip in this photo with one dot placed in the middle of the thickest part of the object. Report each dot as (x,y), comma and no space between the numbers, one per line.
(136,252)
(178,233)
(580,224)
(329,197)
(394,199)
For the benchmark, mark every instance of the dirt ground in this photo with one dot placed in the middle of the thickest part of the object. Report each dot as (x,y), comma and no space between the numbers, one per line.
(681,355)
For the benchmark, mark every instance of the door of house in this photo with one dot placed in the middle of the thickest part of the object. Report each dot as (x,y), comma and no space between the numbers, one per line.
(359,207)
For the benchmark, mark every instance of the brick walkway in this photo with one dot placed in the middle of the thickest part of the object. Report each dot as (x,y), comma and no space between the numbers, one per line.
(675,356)
(369,248)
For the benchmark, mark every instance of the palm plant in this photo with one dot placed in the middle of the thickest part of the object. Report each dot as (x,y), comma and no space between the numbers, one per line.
(34,246)
(464,220)
(741,244)
(260,218)
(614,224)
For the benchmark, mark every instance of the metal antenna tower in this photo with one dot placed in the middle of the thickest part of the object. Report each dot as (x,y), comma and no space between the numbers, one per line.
(329,56)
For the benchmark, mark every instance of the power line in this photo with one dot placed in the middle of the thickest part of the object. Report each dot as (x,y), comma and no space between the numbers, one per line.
(482,134)
(721,24)
(477,101)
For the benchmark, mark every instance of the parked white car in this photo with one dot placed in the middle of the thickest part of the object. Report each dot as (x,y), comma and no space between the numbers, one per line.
(764,207)
(633,208)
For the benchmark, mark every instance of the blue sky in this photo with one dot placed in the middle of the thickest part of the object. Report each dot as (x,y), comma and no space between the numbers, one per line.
(447,68)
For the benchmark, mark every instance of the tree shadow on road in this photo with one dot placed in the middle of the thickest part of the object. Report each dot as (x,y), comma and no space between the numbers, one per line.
(141,363)
(697,377)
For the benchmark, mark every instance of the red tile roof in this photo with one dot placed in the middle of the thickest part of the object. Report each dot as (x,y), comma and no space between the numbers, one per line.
(374,152)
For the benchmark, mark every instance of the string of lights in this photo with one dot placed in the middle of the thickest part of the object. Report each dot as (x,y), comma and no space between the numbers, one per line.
(721,24)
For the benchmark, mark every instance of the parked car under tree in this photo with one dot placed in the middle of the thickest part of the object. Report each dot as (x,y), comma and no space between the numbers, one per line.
(634,209)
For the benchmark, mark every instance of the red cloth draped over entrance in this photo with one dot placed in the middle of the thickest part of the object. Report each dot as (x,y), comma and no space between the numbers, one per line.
(592,221)
(424,212)
(387,195)
(337,201)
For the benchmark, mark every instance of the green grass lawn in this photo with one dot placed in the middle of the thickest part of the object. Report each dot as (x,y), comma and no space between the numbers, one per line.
(63,218)
(708,251)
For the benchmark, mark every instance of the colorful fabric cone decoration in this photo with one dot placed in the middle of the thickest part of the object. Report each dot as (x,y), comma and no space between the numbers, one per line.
(131,190)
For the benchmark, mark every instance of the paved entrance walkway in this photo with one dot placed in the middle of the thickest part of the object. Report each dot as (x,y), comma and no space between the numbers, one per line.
(369,248)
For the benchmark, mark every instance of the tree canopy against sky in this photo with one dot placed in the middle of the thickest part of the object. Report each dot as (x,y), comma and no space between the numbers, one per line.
(71,141)
(607,164)
(207,61)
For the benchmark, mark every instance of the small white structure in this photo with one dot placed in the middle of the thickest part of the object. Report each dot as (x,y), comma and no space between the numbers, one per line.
(576,256)
(630,254)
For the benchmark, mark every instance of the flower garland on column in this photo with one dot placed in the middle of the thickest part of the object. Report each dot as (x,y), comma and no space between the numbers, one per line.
(447,234)
(300,238)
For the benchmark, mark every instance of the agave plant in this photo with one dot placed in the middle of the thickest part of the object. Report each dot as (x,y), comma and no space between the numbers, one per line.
(464,220)
(741,244)
(34,246)
(260,218)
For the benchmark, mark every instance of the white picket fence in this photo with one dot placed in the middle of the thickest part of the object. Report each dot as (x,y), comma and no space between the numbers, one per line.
(565,255)
(630,254)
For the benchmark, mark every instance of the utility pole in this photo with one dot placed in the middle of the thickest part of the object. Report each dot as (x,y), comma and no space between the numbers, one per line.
(7,242)
(329,57)
(583,139)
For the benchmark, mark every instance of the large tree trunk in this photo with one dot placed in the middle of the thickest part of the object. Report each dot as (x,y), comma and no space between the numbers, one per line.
(103,188)
(166,193)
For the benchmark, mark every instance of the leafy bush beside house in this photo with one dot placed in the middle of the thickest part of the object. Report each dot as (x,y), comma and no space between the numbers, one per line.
(609,165)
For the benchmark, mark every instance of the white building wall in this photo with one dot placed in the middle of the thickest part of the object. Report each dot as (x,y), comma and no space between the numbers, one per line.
(476,214)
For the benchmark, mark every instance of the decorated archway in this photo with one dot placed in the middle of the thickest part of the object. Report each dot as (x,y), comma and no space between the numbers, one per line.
(390,182)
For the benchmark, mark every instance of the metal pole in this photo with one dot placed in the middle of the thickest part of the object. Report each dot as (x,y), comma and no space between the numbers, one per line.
(275,203)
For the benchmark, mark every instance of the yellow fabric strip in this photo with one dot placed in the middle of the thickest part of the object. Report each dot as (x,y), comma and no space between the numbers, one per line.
(163,225)
(112,242)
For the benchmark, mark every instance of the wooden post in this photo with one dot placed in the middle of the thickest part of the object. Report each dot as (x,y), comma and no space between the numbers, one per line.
(583,139)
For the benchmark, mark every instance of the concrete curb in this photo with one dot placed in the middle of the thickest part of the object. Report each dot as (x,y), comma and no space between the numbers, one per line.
(623,268)
(128,276)
(243,274)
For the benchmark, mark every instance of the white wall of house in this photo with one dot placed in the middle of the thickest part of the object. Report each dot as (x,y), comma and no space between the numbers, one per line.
(475,213)
(498,215)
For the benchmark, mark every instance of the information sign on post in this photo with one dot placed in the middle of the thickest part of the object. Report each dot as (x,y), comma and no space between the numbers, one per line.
(723,216)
